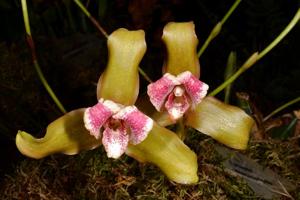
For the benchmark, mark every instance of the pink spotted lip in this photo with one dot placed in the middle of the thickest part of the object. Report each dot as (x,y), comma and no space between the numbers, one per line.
(159,90)
(177,94)
(121,125)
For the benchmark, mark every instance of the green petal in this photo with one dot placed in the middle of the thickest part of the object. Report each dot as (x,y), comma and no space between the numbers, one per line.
(120,80)
(181,42)
(164,149)
(65,135)
(225,123)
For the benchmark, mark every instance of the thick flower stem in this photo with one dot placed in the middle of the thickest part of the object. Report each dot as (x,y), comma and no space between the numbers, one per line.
(216,30)
(181,132)
(257,56)
(34,58)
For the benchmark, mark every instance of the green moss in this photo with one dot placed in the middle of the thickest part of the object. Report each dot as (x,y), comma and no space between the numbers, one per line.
(91,175)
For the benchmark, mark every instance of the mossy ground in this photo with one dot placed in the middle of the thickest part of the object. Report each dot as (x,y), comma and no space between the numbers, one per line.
(91,175)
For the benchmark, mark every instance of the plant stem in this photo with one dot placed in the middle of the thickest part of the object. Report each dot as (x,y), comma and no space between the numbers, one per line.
(251,60)
(230,11)
(25,17)
(93,20)
(48,88)
(216,30)
(101,29)
(288,28)
(280,108)
(181,132)
(257,56)
(143,73)
(34,58)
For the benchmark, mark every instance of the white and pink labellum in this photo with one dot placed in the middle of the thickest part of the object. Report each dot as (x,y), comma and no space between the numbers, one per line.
(177,94)
(120,125)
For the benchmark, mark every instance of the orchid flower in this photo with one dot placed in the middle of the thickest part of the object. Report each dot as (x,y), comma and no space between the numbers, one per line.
(180,88)
(114,121)
(177,93)
(181,93)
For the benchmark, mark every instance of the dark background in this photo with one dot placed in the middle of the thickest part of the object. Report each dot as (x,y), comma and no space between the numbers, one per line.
(72,54)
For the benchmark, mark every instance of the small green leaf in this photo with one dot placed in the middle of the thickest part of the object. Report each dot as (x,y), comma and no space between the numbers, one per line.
(65,135)
(229,71)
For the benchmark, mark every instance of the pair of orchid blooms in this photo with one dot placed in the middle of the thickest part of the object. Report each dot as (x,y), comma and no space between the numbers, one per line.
(139,130)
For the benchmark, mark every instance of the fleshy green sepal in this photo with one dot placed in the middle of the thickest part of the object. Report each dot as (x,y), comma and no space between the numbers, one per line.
(120,80)
(227,124)
(181,44)
(65,135)
(164,149)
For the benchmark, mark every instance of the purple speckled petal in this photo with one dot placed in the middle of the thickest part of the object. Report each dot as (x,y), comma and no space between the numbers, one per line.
(115,141)
(159,90)
(177,106)
(95,117)
(139,123)
(195,88)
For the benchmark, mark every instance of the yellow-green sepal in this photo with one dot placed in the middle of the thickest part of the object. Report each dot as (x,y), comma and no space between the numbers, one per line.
(227,124)
(164,149)
(120,80)
(66,135)
(181,44)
